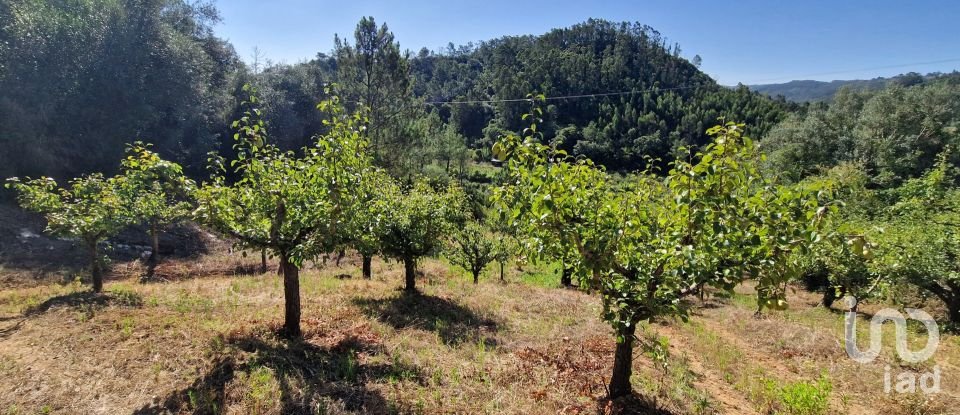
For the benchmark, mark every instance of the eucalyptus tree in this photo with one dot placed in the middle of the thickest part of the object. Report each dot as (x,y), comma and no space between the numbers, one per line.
(90,209)
(156,192)
(417,223)
(290,204)
(647,244)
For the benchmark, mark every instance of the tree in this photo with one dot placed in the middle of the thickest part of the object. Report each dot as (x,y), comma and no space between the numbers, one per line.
(79,78)
(90,209)
(651,242)
(156,192)
(367,222)
(374,73)
(290,204)
(844,263)
(419,220)
(920,244)
(472,248)
(895,133)
(449,146)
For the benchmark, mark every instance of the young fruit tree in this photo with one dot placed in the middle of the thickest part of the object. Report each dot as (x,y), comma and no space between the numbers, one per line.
(90,210)
(366,223)
(472,248)
(844,263)
(417,223)
(647,244)
(157,193)
(288,203)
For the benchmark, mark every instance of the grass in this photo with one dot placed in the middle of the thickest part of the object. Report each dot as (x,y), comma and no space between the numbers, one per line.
(206,344)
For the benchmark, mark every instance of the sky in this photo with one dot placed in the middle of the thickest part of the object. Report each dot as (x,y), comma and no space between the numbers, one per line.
(750,41)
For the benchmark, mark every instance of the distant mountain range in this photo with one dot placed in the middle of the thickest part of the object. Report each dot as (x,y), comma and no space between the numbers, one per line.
(815,91)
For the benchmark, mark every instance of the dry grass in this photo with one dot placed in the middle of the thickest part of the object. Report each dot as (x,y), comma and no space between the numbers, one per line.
(203,342)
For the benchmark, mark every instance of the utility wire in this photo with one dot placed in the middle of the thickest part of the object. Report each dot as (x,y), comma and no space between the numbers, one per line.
(652,89)
(552,98)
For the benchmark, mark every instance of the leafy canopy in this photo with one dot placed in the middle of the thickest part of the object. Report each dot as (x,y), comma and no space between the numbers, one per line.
(90,208)
(420,218)
(366,222)
(472,248)
(649,241)
(290,203)
(155,189)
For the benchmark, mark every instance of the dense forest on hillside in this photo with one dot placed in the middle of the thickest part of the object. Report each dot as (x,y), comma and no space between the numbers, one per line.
(894,134)
(82,78)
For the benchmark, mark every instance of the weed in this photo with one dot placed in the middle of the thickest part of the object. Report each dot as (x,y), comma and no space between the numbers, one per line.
(125,326)
(124,296)
(202,402)
(85,312)
(262,388)
(156,368)
(346,366)
(191,303)
(802,398)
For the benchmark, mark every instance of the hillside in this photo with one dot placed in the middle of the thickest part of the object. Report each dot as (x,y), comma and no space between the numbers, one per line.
(79,83)
(815,91)
(821,91)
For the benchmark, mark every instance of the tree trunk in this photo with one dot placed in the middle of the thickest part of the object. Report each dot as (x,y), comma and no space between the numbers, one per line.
(366,266)
(566,276)
(476,277)
(501,271)
(829,297)
(154,251)
(95,271)
(953,310)
(291,294)
(623,363)
(410,267)
(154,244)
(263,261)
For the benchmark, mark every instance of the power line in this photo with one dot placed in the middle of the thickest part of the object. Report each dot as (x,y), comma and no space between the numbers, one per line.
(640,91)
(557,98)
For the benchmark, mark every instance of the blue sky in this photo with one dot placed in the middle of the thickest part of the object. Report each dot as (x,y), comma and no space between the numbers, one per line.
(744,41)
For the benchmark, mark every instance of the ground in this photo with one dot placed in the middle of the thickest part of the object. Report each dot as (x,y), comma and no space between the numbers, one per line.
(202,341)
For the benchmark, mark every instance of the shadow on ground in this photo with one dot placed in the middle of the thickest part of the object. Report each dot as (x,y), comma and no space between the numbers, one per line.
(453,322)
(87,301)
(29,256)
(630,405)
(311,379)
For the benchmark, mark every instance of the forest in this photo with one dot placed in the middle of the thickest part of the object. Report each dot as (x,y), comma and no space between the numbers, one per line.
(580,221)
